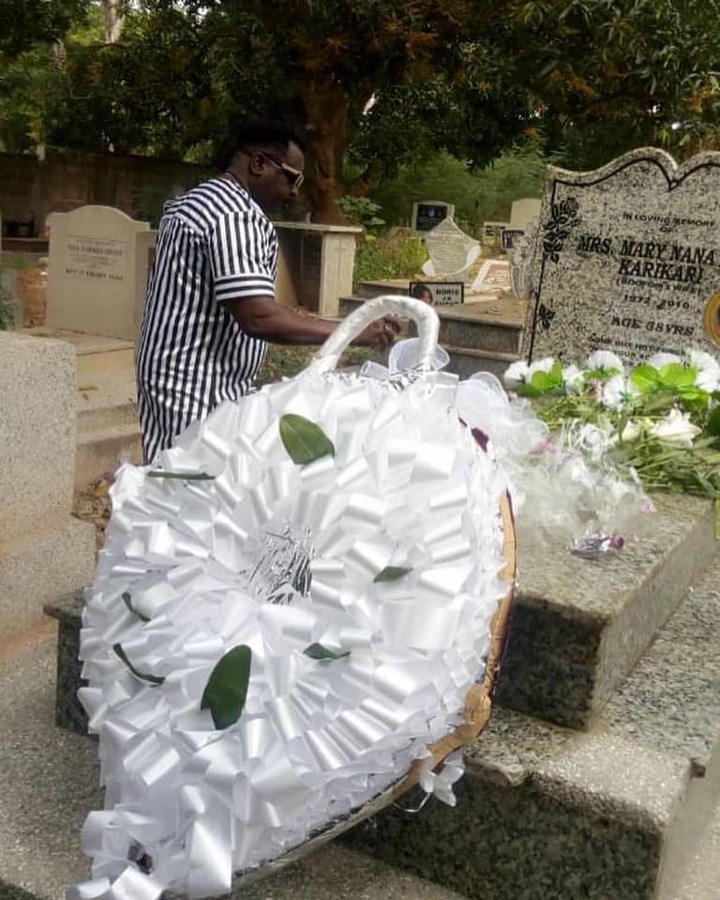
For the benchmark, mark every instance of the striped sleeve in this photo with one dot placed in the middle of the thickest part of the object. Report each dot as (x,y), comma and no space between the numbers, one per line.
(242,250)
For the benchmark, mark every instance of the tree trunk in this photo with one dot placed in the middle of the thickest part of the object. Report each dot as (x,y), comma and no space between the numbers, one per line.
(113,21)
(326,110)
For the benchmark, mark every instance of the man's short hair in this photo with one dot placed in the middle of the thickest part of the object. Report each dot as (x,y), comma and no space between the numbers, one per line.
(254,135)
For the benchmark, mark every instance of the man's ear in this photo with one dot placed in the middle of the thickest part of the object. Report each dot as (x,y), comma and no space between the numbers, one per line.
(256,163)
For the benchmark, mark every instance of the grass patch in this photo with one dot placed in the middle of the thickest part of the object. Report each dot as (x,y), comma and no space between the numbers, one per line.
(285,362)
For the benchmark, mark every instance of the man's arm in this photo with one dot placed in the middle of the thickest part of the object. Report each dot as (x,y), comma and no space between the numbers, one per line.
(265,318)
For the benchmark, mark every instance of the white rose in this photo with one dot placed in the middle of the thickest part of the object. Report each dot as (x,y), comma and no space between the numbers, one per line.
(660,360)
(542,365)
(515,375)
(573,379)
(631,432)
(614,392)
(605,361)
(708,369)
(675,428)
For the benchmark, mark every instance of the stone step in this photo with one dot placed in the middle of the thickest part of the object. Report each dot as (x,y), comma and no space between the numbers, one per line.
(106,399)
(466,362)
(700,879)
(36,567)
(101,450)
(49,782)
(623,811)
(578,627)
(626,809)
(95,353)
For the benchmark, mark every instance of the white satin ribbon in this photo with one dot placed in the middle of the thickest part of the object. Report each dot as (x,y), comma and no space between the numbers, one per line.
(214,564)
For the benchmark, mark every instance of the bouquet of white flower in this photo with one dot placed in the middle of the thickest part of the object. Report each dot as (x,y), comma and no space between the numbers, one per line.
(662,418)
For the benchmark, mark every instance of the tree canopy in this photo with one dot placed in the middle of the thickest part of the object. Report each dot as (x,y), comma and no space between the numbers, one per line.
(374,84)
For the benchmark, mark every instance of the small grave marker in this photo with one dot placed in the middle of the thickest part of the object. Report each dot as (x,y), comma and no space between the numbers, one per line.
(438,293)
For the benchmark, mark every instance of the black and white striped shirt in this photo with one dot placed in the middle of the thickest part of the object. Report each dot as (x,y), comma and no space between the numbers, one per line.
(214,244)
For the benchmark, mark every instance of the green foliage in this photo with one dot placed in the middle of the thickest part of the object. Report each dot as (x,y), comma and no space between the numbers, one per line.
(7,310)
(154,680)
(667,428)
(477,195)
(288,361)
(324,654)
(382,84)
(29,22)
(304,440)
(391,573)
(396,253)
(226,690)
(361,211)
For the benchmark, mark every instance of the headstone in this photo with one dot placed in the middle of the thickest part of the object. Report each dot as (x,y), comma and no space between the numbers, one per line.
(509,237)
(427,214)
(92,273)
(523,211)
(144,258)
(451,251)
(491,232)
(627,258)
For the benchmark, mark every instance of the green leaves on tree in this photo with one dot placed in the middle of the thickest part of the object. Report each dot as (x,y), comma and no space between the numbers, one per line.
(143,676)
(227,687)
(304,440)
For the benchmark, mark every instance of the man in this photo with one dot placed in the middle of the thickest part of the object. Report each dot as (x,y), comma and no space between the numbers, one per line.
(210,306)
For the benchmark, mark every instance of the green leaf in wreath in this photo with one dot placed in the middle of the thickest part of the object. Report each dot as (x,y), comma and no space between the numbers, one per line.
(144,676)
(391,573)
(322,653)
(127,600)
(227,687)
(184,476)
(304,440)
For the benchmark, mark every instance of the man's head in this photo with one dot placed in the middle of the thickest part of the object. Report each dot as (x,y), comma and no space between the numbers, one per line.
(422,292)
(268,159)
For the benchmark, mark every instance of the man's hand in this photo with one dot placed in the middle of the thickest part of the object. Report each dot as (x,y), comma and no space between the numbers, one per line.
(380,334)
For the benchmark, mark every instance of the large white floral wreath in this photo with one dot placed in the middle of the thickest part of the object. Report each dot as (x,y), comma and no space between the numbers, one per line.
(292,603)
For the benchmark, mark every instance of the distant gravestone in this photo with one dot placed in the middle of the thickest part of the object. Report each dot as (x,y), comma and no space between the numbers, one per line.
(427,214)
(523,211)
(627,258)
(92,272)
(491,232)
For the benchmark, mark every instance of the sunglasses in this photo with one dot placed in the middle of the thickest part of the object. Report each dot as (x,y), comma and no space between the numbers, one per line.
(294,176)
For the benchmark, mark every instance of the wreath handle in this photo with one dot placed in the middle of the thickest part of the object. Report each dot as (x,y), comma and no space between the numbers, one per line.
(424,316)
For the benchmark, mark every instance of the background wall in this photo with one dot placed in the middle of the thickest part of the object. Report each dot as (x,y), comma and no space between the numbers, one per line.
(138,185)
